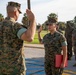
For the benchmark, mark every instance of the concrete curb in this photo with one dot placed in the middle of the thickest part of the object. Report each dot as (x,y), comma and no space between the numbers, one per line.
(39,46)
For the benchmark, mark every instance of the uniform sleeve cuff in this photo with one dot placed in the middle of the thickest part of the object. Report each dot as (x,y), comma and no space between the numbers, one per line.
(20,32)
(64,43)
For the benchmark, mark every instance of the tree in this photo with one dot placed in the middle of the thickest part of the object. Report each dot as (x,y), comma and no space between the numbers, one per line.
(38,26)
(1,17)
(44,25)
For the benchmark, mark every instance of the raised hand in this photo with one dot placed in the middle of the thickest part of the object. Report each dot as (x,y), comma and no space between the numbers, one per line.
(40,29)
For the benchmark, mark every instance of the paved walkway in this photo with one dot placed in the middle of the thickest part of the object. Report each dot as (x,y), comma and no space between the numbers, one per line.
(34,56)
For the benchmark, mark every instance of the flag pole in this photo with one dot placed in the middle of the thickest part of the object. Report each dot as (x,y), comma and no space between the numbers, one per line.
(29,7)
(28,4)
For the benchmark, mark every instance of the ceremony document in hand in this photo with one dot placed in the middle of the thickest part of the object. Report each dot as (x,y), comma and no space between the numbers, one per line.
(58,61)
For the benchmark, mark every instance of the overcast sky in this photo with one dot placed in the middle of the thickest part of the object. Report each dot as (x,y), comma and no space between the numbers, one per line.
(66,9)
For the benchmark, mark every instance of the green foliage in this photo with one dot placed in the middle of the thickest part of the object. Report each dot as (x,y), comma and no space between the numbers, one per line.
(1,17)
(44,26)
(38,26)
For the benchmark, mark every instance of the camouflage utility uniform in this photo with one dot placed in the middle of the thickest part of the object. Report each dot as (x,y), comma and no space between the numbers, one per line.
(60,31)
(53,45)
(11,58)
(74,41)
(68,35)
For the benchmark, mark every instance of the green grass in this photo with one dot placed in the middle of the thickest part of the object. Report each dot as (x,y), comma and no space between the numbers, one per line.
(35,41)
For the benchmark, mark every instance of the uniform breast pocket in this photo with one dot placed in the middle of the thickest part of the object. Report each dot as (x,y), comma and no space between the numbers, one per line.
(55,43)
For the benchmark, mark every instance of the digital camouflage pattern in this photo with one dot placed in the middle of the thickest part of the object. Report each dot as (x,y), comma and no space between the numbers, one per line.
(11,58)
(53,18)
(15,4)
(52,44)
(68,35)
(74,41)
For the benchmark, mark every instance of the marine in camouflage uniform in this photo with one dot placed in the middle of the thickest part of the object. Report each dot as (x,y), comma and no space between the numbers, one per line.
(68,35)
(53,43)
(12,61)
(74,44)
